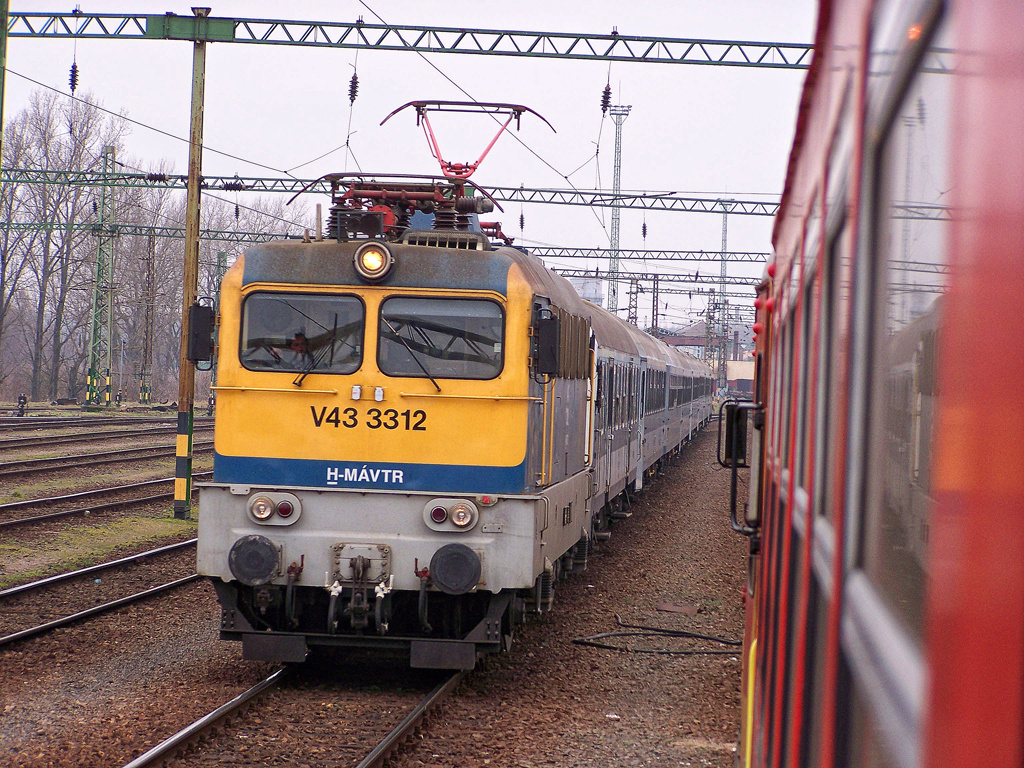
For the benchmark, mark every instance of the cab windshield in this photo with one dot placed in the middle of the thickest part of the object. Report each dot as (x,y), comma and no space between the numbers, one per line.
(302,333)
(441,338)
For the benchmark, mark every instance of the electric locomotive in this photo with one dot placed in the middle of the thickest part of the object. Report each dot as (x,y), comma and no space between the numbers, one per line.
(418,431)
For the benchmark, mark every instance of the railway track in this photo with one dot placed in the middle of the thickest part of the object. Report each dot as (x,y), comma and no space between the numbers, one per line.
(14,443)
(12,514)
(77,595)
(19,424)
(372,724)
(30,466)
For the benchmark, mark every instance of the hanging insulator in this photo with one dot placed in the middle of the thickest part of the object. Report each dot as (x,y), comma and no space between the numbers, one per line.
(643,230)
(522,222)
(236,211)
(606,99)
(353,88)
(95,207)
(73,78)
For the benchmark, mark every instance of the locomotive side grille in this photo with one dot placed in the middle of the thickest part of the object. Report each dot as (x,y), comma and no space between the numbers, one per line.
(464,241)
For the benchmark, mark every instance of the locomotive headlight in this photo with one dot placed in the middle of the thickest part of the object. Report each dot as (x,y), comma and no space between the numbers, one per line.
(373,261)
(262,507)
(462,514)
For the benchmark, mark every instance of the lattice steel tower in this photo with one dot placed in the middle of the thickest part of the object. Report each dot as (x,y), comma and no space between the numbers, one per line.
(723,329)
(102,316)
(619,114)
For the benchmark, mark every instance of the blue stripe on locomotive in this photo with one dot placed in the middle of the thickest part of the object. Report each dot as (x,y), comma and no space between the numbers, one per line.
(316,473)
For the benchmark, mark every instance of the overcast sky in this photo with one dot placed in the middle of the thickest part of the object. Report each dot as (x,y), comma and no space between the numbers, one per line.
(709,131)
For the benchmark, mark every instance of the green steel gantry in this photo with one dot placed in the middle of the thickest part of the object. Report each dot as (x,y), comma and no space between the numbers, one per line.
(592,198)
(394,37)
(641,277)
(656,201)
(151,230)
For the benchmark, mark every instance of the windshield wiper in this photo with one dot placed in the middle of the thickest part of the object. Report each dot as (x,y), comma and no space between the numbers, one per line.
(415,357)
(315,360)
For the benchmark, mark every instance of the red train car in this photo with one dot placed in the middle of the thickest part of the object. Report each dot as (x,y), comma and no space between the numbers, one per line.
(885,600)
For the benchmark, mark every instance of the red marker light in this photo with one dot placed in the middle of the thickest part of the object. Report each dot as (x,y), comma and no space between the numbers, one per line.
(771,269)
(769,306)
(758,302)
(439,514)
(285,508)
(758,327)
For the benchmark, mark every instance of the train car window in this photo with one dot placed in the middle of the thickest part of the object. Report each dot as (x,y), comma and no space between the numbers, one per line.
(814,687)
(807,374)
(911,234)
(298,332)
(832,379)
(786,347)
(610,403)
(443,338)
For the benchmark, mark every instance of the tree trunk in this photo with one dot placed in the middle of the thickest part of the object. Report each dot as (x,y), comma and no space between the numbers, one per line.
(38,342)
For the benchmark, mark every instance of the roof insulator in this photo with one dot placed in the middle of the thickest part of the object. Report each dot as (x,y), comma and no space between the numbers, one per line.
(353,88)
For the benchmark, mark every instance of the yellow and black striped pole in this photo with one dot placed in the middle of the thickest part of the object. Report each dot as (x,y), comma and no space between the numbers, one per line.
(187,371)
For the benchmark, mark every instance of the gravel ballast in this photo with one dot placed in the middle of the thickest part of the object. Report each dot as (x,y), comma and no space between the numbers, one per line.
(100,693)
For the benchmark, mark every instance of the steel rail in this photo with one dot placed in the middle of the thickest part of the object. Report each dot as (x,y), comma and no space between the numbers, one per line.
(51,580)
(27,466)
(404,729)
(89,494)
(32,519)
(57,623)
(374,759)
(188,734)
(86,437)
(21,423)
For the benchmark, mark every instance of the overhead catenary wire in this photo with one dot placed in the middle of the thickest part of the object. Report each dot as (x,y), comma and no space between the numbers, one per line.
(148,127)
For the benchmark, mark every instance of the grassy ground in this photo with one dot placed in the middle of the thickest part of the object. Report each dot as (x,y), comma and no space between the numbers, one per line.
(79,545)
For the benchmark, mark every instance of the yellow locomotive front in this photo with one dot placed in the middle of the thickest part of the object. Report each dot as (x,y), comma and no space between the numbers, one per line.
(374,477)
(371,386)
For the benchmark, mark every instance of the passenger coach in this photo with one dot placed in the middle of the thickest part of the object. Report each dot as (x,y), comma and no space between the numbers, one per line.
(885,621)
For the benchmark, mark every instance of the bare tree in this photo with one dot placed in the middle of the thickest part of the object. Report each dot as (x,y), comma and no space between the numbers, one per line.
(54,134)
(47,281)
